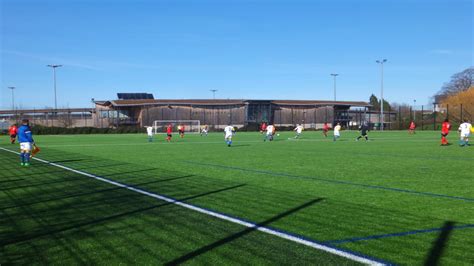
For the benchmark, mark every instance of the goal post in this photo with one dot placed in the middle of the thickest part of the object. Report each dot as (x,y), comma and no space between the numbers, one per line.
(190,126)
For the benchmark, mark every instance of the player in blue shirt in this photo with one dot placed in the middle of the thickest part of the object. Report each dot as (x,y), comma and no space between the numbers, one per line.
(25,138)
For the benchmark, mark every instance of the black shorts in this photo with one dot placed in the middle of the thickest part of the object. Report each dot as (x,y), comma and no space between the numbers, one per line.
(13,136)
(169,135)
(444,134)
(181,132)
(363,133)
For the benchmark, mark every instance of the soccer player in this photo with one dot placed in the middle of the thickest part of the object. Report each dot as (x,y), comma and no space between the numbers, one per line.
(169,132)
(363,132)
(25,138)
(325,129)
(337,133)
(444,132)
(411,129)
(13,130)
(298,130)
(204,130)
(270,133)
(149,132)
(228,133)
(181,130)
(263,127)
(464,133)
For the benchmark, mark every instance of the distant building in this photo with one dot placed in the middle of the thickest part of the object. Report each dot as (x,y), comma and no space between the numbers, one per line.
(141,110)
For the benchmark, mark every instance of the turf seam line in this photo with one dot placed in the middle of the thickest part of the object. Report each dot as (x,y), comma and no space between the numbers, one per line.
(323,247)
(413,232)
(332,181)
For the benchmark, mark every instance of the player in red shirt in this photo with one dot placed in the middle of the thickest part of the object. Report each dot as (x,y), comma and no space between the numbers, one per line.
(444,132)
(411,129)
(13,130)
(169,132)
(263,127)
(325,129)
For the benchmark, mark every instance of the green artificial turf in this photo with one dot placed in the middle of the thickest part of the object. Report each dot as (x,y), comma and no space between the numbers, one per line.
(386,199)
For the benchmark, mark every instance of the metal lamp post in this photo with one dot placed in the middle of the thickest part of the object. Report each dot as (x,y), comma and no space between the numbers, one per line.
(414,112)
(214,93)
(13,97)
(381,62)
(54,76)
(334,75)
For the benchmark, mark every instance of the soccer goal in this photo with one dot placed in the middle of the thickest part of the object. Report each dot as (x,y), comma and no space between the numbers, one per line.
(190,126)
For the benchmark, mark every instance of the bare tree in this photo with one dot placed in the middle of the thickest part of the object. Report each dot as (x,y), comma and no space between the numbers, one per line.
(461,81)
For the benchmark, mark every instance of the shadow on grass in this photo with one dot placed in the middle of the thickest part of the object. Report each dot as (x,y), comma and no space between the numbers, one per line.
(240,234)
(51,230)
(438,246)
(92,192)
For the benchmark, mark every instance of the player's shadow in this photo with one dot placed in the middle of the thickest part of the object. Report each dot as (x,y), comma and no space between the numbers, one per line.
(240,234)
(438,246)
(240,145)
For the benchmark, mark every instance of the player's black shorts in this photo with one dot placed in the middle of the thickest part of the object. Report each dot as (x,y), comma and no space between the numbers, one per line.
(444,134)
(169,135)
(363,133)
(181,132)
(13,136)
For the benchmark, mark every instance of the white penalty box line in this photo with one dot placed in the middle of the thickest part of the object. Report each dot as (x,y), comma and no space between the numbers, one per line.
(299,240)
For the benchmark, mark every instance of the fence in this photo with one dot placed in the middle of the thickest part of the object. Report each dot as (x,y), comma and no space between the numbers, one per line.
(66,118)
(430,117)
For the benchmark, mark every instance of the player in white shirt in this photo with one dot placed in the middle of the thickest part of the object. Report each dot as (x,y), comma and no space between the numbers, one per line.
(337,131)
(149,132)
(298,130)
(229,132)
(270,132)
(204,130)
(464,133)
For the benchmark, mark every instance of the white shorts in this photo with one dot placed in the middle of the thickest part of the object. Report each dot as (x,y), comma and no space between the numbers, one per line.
(228,136)
(465,135)
(337,134)
(25,146)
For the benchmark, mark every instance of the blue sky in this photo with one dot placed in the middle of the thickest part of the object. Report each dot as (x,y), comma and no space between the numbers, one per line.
(252,49)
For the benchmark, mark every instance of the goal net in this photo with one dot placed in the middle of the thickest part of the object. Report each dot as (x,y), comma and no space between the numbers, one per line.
(190,126)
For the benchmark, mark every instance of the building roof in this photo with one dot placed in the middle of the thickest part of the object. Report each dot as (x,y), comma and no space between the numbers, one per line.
(221,102)
(318,102)
(41,111)
(119,103)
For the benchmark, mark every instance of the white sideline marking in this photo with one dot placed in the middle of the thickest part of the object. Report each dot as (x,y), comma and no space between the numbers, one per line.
(270,231)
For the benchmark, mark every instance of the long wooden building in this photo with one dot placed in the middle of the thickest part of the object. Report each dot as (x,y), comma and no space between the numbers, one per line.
(218,113)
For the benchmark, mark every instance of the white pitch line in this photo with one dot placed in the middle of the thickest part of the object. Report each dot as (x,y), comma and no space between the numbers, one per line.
(267,230)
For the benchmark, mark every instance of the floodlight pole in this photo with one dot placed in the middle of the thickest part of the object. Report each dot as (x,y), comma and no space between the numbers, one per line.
(214,93)
(13,98)
(334,75)
(414,113)
(381,62)
(54,77)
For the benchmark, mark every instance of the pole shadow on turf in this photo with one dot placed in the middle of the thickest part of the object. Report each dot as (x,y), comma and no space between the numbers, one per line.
(438,246)
(240,234)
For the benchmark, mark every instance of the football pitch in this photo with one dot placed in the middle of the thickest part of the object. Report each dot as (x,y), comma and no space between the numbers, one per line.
(110,199)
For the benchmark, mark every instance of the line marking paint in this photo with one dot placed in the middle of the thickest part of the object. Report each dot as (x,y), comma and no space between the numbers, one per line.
(332,181)
(297,239)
